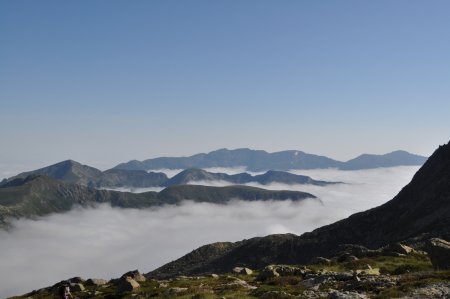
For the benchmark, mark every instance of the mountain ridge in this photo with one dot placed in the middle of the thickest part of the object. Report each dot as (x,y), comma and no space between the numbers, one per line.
(72,172)
(39,195)
(259,160)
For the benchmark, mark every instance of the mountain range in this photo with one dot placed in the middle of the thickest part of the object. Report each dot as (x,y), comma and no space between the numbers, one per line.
(258,160)
(421,210)
(38,195)
(72,172)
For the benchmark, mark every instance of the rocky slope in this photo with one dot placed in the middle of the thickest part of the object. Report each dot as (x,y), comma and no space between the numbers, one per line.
(257,160)
(38,195)
(421,210)
(390,274)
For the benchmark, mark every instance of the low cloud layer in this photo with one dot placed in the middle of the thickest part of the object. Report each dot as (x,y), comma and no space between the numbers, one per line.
(106,242)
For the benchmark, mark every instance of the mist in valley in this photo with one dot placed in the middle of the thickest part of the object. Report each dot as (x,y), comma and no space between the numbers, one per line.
(106,242)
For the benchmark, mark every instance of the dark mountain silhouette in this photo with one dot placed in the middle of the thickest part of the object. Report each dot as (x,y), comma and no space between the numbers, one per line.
(396,158)
(271,176)
(257,160)
(72,172)
(75,173)
(421,210)
(38,195)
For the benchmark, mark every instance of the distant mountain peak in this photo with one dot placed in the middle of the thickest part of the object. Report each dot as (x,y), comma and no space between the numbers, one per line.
(259,160)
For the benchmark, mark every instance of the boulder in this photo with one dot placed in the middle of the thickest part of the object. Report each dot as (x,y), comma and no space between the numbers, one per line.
(236,282)
(345,258)
(371,271)
(135,274)
(439,252)
(127,284)
(268,272)
(76,287)
(95,282)
(318,260)
(397,248)
(246,271)
(346,295)
(282,270)
(237,270)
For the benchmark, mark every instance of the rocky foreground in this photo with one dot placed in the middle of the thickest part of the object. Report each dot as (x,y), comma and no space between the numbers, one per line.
(394,271)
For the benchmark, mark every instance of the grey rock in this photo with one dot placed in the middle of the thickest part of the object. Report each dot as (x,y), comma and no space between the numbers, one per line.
(246,271)
(95,282)
(135,274)
(439,290)
(318,260)
(397,248)
(237,270)
(268,272)
(76,287)
(439,253)
(127,284)
(346,295)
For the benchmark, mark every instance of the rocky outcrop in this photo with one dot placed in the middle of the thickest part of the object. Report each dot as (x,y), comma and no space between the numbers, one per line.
(96,282)
(135,274)
(126,284)
(439,253)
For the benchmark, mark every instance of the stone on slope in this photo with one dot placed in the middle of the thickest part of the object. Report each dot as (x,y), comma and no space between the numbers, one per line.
(135,274)
(398,248)
(76,287)
(95,282)
(439,253)
(246,271)
(127,284)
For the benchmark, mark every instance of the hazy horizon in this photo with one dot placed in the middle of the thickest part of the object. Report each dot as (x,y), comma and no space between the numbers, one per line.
(10,169)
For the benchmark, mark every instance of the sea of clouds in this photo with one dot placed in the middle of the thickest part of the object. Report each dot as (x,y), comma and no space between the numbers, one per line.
(106,242)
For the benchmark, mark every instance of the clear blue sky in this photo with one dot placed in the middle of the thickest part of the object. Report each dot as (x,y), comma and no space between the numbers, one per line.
(104,82)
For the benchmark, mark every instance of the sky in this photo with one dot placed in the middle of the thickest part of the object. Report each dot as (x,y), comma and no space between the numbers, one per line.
(104,82)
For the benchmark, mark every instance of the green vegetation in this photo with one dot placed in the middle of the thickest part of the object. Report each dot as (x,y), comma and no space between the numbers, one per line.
(38,195)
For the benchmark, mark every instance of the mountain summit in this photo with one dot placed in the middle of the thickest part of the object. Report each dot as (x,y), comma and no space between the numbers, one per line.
(257,160)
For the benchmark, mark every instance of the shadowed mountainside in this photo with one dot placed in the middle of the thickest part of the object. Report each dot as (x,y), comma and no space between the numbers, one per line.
(271,176)
(75,173)
(72,172)
(420,210)
(38,195)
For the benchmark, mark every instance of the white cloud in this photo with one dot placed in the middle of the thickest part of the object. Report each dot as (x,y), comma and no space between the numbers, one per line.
(134,189)
(106,242)
(169,172)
